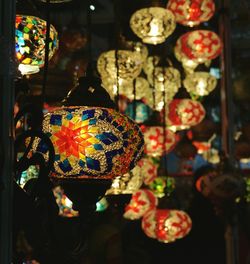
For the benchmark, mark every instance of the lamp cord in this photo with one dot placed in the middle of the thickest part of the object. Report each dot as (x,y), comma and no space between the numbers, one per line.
(134,102)
(46,55)
(164,127)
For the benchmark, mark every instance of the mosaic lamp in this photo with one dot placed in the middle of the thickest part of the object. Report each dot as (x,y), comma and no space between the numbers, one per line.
(141,202)
(199,45)
(153,25)
(154,140)
(30,43)
(91,142)
(166,225)
(191,12)
(184,113)
(200,83)
(125,65)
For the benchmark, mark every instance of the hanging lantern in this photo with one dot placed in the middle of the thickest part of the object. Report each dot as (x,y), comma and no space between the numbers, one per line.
(91,142)
(166,79)
(149,167)
(141,202)
(30,43)
(166,225)
(184,113)
(154,140)
(150,63)
(127,183)
(200,83)
(139,48)
(191,12)
(153,25)
(126,88)
(129,65)
(199,45)
(158,185)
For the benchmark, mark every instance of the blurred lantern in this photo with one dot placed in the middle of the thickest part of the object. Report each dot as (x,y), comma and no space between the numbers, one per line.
(162,185)
(166,225)
(142,89)
(149,167)
(30,43)
(184,113)
(64,203)
(166,79)
(139,48)
(125,65)
(153,25)
(191,12)
(102,205)
(91,142)
(150,63)
(127,183)
(154,140)
(31,173)
(138,111)
(199,45)
(200,83)
(141,202)
(73,39)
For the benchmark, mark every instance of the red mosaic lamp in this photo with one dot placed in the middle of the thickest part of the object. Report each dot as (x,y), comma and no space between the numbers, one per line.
(199,45)
(166,225)
(191,12)
(141,202)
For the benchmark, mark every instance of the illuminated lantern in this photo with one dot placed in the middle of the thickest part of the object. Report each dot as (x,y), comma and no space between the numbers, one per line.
(191,12)
(102,205)
(153,25)
(149,167)
(166,79)
(138,47)
(30,43)
(154,140)
(199,45)
(91,142)
(150,63)
(141,202)
(166,225)
(138,111)
(158,185)
(200,83)
(127,183)
(129,65)
(184,113)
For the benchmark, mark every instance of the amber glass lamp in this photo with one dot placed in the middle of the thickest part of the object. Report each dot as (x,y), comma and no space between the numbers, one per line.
(153,25)
(30,43)
(191,12)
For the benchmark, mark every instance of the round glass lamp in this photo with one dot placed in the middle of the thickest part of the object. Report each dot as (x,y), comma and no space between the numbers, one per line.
(150,63)
(149,167)
(141,202)
(30,43)
(166,225)
(153,25)
(138,47)
(200,45)
(91,142)
(191,12)
(129,65)
(154,141)
(200,83)
(127,183)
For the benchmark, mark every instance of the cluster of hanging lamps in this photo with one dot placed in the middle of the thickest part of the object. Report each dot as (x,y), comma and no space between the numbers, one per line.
(199,83)
(30,37)
(191,12)
(153,25)
(141,202)
(166,225)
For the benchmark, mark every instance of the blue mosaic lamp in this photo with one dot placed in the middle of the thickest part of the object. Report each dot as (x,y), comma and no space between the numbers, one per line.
(91,142)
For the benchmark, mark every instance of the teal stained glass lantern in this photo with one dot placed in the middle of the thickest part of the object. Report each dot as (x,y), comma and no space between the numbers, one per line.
(91,142)
(30,43)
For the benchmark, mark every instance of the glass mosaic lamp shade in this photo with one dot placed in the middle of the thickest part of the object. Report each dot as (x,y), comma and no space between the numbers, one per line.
(30,43)
(184,113)
(91,142)
(141,202)
(200,83)
(128,183)
(166,225)
(199,45)
(154,140)
(149,167)
(153,25)
(191,12)
(129,65)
